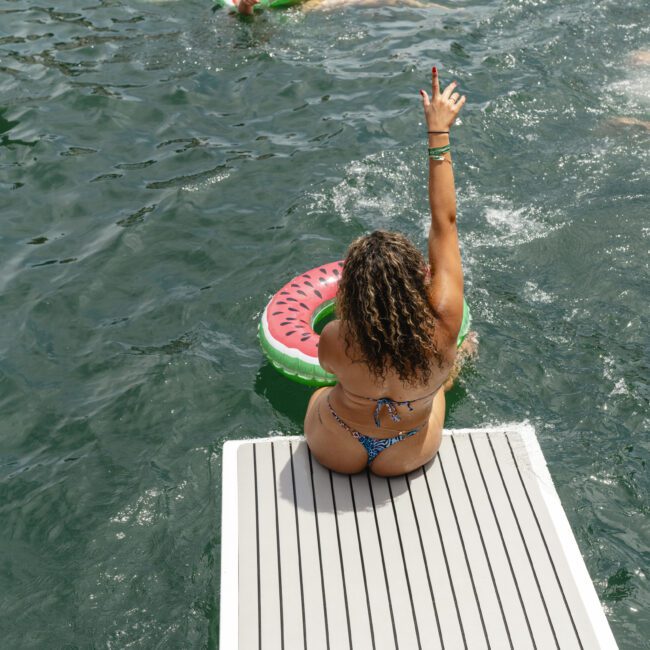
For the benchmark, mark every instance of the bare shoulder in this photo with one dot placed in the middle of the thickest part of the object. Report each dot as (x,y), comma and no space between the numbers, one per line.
(331,331)
(329,345)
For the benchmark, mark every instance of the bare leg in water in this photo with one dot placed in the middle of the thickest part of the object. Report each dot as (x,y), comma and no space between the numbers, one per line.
(468,350)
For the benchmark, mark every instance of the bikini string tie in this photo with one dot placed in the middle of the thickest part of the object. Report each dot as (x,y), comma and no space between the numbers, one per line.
(391,406)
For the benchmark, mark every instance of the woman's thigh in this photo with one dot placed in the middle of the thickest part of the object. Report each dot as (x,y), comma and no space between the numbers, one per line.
(336,450)
(409,454)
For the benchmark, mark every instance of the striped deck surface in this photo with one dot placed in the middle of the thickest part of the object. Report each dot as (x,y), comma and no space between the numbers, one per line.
(471,551)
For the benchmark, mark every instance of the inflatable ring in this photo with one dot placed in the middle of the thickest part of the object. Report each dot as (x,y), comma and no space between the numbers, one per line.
(289,327)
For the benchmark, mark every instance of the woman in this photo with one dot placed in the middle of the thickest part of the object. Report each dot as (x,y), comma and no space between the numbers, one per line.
(394,345)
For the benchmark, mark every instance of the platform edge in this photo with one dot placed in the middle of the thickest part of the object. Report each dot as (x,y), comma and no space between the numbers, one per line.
(576,562)
(229,588)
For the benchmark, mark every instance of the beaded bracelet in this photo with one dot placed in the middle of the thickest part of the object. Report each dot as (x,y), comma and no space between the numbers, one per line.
(436,153)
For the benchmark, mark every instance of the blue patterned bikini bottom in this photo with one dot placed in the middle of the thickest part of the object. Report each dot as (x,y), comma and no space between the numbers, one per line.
(374,446)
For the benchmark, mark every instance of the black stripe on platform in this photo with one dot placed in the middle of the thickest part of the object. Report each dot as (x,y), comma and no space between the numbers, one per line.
(426,564)
(480,533)
(338,539)
(295,510)
(444,552)
(383,560)
(462,543)
(503,542)
(320,554)
(548,552)
(523,539)
(363,564)
(406,572)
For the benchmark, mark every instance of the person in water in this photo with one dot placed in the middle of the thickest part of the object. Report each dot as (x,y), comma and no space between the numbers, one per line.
(247,7)
(638,59)
(393,346)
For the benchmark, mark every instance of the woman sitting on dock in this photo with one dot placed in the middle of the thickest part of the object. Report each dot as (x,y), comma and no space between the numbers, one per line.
(393,346)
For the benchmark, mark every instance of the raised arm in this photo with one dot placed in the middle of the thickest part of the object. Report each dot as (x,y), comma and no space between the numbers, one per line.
(446,290)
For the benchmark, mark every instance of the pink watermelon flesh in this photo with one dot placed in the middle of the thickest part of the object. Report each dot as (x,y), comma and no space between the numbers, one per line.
(290,311)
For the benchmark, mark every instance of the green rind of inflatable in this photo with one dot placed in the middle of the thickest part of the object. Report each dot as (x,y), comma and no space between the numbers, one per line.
(465,324)
(309,374)
(322,312)
(312,374)
(278,4)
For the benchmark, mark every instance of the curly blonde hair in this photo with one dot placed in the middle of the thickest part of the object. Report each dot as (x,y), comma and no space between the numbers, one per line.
(382,300)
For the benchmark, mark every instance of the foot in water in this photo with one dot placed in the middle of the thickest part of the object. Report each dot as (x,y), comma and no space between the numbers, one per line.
(629,121)
(468,350)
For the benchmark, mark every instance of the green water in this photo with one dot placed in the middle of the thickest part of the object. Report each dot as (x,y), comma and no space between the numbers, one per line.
(164,169)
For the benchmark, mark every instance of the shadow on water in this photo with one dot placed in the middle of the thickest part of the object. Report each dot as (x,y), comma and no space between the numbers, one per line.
(290,398)
(453,399)
(287,397)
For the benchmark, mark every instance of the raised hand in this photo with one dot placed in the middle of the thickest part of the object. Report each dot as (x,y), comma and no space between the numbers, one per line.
(442,109)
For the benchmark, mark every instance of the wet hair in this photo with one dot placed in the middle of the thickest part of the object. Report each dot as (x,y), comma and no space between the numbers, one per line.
(382,301)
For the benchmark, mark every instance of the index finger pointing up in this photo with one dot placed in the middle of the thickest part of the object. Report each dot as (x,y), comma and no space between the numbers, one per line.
(435,84)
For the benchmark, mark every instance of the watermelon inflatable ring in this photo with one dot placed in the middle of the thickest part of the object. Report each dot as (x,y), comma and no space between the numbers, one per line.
(289,324)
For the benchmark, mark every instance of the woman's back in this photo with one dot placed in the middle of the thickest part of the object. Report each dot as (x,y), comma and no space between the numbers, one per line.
(364,399)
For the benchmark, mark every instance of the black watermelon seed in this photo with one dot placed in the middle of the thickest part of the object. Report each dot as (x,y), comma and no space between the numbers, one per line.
(302,304)
(291,318)
(323,271)
(305,275)
(291,300)
(290,333)
(321,280)
(336,272)
(285,322)
(305,338)
(316,344)
(340,264)
(309,284)
(293,284)
(318,293)
(301,292)
(292,309)
(276,313)
(281,302)
(284,293)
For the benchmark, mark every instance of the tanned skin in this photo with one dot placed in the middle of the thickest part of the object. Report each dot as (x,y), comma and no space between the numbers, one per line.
(247,7)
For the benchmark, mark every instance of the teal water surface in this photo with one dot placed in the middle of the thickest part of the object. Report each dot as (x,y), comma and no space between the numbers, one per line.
(165,168)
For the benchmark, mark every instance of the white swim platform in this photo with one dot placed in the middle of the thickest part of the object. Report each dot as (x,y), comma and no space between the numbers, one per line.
(472,551)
